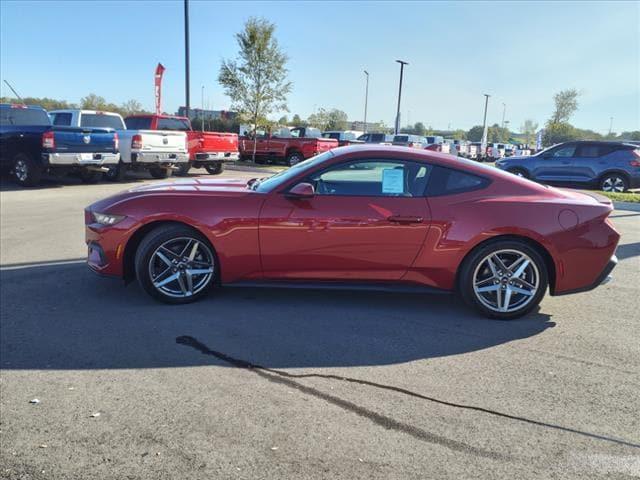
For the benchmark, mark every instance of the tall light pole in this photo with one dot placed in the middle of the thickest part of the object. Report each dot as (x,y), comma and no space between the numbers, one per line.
(186,56)
(402,64)
(504,110)
(610,125)
(366,98)
(483,144)
(202,107)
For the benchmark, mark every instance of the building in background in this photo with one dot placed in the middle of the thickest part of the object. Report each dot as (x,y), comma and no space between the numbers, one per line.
(198,113)
(370,126)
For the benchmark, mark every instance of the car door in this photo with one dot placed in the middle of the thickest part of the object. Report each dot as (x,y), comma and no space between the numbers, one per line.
(367,221)
(557,164)
(590,159)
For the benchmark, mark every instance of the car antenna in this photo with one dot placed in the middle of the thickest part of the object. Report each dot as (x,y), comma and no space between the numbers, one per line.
(14,92)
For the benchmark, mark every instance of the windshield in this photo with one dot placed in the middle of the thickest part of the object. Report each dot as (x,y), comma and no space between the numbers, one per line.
(101,120)
(19,115)
(269,184)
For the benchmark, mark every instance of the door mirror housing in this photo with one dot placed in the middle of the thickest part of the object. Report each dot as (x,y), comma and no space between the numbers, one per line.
(301,190)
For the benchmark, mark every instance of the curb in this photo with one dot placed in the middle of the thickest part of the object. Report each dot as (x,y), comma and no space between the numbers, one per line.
(631,206)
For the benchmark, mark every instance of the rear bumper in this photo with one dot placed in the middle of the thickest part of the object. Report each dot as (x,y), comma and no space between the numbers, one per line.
(81,159)
(155,158)
(215,157)
(603,277)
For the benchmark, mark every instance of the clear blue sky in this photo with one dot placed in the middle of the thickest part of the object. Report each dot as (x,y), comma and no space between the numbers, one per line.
(521,53)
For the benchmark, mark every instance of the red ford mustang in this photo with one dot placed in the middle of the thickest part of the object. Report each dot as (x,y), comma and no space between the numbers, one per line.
(360,216)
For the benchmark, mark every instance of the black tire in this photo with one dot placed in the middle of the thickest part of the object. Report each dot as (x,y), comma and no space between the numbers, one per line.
(26,171)
(89,177)
(475,262)
(158,172)
(293,158)
(215,169)
(520,172)
(614,182)
(116,173)
(145,256)
(183,169)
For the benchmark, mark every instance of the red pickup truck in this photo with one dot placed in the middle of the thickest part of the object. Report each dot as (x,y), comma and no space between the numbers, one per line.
(292,145)
(206,149)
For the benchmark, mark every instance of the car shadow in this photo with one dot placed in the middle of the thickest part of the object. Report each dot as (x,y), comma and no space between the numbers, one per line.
(65,317)
(628,250)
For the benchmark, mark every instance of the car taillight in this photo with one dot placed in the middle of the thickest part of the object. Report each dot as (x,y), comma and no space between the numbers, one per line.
(48,140)
(116,141)
(136,142)
(636,162)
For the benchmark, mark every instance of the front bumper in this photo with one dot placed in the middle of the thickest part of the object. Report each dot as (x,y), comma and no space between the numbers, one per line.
(168,158)
(81,159)
(603,278)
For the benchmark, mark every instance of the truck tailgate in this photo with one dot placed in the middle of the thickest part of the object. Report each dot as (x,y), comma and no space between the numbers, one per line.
(163,140)
(215,142)
(78,139)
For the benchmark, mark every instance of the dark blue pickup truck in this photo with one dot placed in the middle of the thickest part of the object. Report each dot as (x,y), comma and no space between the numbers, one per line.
(30,146)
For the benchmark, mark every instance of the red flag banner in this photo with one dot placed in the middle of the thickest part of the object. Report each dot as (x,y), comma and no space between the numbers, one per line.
(158,87)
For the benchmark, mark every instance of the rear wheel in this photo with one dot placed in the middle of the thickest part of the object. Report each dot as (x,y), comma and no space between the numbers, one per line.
(214,169)
(614,182)
(503,279)
(26,171)
(175,264)
(158,172)
(293,158)
(116,173)
(519,172)
(183,169)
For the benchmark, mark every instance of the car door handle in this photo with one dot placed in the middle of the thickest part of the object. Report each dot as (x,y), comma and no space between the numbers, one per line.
(404,219)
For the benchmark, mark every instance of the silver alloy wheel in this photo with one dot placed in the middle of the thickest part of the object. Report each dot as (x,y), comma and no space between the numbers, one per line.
(613,184)
(181,267)
(293,159)
(21,170)
(506,280)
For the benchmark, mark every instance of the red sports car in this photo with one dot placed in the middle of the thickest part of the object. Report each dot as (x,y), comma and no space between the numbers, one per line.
(374,217)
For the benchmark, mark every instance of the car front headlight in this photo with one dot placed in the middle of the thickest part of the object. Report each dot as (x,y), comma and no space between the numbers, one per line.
(107,218)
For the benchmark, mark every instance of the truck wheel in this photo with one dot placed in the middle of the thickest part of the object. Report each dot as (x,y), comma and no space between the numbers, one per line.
(293,158)
(215,169)
(89,177)
(116,173)
(183,169)
(26,172)
(158,172)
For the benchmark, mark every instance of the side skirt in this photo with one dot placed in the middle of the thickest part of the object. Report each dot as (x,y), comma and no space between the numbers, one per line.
(328,285)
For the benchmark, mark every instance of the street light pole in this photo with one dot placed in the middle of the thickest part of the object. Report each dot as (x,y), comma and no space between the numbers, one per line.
(483,144)
(202,107)
(504,110)
(610,125)
(186,56)
(366,99)
(402,64)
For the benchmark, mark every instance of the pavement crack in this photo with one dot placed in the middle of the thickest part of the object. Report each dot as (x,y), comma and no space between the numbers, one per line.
(287,379)
(280,376)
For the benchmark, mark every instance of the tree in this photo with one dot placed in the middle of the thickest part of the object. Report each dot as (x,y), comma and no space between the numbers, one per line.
(475,133)
(419,129)
(566,103)
(633,136)
(132,107)
(296,121)
(336,120)
(319,119)
(558,133)
(256,81)
(529,128)
(283,120)
(459,135)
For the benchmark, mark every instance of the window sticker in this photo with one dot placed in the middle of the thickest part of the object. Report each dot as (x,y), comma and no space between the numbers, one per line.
(393,180)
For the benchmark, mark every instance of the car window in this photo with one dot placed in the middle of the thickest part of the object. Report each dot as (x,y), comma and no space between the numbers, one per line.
(563,152)
(180,124)
(387,178)
(448,181)
(19,115)
(334,135)
(97,120)
(590,151)
(138,123)
(61,118)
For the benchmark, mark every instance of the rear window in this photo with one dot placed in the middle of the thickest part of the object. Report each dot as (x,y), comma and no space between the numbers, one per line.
(61,118)
(173,124)
(100,121)
(138,123)
(23,116)
(401,138)
(334,135)
(447,181)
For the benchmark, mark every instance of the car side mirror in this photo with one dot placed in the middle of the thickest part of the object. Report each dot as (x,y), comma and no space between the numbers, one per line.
(301,190)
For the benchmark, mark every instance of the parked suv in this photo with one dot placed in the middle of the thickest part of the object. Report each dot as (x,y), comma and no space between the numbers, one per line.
(376,138)
(610,166)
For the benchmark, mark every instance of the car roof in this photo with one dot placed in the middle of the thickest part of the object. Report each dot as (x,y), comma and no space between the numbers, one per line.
(21,105)
(81,110)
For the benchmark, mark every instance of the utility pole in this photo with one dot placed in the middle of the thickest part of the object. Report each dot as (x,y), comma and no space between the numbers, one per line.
(504,110)
(402,64)
(610,125)
(186,57)
(366,99)
(483,145)
(202,108)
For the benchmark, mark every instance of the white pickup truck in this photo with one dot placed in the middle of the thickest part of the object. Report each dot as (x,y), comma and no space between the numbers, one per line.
(158,151)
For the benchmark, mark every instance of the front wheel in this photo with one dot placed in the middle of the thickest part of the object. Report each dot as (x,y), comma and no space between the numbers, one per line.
(215,169)
(26,171)
(614,183)
(294,158)
(503,279)
(175,264)
(519,172)
(159,172)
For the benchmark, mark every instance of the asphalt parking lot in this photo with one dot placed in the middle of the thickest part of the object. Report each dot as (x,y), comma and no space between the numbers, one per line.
(300,384)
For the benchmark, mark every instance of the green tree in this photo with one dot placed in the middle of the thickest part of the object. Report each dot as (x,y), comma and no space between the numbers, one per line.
(256,81)
(336,120)
(529,128)
(319,119)
(283,120)
(566,104)
(558,133)
(633,136)
(459,135)
(475,133)
(419,129)
(132,107)
(296,121)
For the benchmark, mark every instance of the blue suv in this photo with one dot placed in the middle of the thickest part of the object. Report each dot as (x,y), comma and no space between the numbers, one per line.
(609,166)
